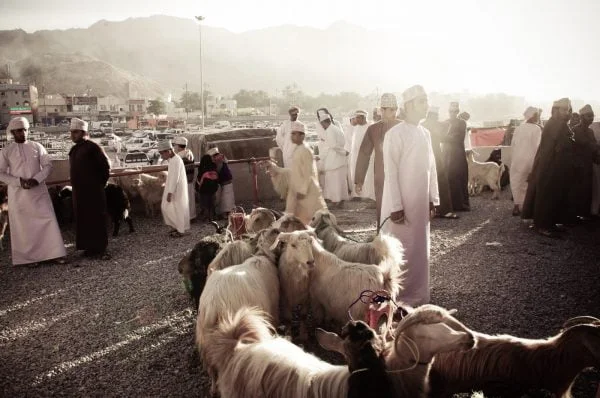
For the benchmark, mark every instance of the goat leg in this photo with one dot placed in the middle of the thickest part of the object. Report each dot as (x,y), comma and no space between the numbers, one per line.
(116,224)
(130,223)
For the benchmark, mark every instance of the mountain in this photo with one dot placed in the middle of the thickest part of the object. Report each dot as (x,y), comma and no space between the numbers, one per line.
(161,53)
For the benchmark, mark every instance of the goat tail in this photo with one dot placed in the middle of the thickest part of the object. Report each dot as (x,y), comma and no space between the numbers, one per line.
(389,247)
(248,325)
(392,276)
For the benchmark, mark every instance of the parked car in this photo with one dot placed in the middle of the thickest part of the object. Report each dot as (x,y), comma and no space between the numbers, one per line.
(136,159)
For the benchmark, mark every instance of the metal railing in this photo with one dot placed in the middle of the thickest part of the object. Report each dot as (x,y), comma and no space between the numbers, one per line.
(120,172)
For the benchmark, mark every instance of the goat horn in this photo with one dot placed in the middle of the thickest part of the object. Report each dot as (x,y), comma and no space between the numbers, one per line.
(580,320)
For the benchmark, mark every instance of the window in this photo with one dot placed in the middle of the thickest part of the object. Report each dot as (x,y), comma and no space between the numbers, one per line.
(2,94)
(25,94)
(17,104)
(4,104)
(131,108)
(102,107)
(55,110)
(139,107)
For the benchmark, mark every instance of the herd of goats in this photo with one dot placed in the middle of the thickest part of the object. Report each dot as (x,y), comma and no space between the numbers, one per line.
(253,297)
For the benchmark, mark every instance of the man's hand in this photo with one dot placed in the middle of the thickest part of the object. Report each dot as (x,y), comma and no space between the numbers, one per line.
(317,158)
(33,182)
(169,197)
(358,188)
(397,217)
(24,183)
(300,196)
(431,210)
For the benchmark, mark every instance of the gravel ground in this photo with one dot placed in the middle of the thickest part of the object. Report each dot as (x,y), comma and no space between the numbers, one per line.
(124,327)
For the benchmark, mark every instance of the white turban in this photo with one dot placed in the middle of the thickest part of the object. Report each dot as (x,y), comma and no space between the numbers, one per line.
(298,126)
(212,151)
(18,123)
(586,109)
(412,93)
(562,103)
(388,100)
(164,146)
(530,112)
(78,124)
(180,140)
(454,107)
(360,112)
(324,117)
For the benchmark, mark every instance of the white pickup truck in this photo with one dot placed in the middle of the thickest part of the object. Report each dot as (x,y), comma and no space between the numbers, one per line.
(139,145)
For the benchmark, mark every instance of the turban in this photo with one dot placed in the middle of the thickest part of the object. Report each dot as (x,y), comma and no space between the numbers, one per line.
(530,112)
(298,126)
(18,123)
(324,116)
(360,112)
(388,100)
(454,107)
(78,124)
(586,109)
(412,93)
(180,140)
(164,146)
(213,151)
(562,103)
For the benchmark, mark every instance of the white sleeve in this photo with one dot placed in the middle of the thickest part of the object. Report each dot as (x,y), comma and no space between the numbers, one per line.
(5,177)
(280,137)
(392,149)
(45,165)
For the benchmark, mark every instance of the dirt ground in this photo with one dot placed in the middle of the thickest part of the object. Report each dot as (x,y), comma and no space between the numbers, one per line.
(125,327)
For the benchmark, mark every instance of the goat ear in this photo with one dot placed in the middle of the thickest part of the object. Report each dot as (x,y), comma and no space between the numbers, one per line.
(329,341)
(283,237)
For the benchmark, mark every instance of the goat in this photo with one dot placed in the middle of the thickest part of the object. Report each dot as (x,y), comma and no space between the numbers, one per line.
(481,174)
(364,352)
(383,246)
(252,362)
(252,283)
(150,189)
(280,177)
(289,223)
(510,366)
(260,218)
(335,283)
(294,277)
(117,205)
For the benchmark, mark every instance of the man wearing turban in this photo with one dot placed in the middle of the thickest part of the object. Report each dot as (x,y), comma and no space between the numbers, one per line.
(333,158)
(284,137)
(410,193)
(547,197)
(373,142)
(24,166)
(89,173)
(524,145)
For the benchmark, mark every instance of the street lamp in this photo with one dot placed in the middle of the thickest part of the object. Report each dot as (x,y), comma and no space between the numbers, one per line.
(200,18)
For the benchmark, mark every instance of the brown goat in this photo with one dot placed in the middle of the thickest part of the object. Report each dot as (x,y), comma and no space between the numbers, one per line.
(510,366)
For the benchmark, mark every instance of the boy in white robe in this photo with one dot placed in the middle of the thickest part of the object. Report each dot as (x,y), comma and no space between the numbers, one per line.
(175,206)
(524,145)
(284,137)
(34,232)
(304,195)
(180,146)
(410,192)
(334,162)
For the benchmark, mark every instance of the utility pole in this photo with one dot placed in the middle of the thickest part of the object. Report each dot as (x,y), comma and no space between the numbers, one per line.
(200,18)
(187,104)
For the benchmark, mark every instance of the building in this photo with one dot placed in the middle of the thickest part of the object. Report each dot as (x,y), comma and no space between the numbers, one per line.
(111,107)
(217,106)
(52,108)
(137,107)
(17,100)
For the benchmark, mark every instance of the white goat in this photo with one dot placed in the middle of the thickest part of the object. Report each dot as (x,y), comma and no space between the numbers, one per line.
(335,284)
(280,177)
(289,223)
(151,190)
(259,219)
(482,174)
(253,283)
(382,247)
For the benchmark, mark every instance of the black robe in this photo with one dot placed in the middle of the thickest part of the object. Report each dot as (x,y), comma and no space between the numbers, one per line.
(436,131)
(547,198)
(89,174)
(456,163)
(581,192)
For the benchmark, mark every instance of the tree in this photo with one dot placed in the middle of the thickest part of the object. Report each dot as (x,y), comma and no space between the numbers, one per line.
(190,100)
(251,98)
(157,106)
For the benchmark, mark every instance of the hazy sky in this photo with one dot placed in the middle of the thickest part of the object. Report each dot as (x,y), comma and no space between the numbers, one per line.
(536,48)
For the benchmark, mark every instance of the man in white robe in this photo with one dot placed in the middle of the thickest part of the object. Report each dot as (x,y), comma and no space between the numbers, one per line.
(360,129)
(333,157)
(284,139)
(175,207)
(524,145)
(348,131)
(410,192)
(34,232)
(304,195)
(180,147)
